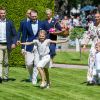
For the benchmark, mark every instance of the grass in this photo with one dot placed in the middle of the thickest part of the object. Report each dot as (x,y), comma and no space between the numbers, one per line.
(71,57)
(66,84)
(68,57)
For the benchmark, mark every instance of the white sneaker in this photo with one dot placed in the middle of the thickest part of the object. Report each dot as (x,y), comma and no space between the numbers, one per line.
(43,85)
(48,86)
(34,82)
(50,64)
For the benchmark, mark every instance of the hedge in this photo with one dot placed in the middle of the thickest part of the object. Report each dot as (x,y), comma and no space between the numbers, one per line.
(16,10)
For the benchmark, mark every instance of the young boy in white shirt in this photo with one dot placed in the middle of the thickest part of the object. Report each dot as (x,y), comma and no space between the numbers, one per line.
(44,56)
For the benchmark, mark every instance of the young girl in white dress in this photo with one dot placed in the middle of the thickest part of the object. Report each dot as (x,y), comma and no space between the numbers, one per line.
(44,56)
(97,64)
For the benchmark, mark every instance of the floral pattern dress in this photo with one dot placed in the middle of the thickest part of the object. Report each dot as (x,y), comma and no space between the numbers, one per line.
(94,34)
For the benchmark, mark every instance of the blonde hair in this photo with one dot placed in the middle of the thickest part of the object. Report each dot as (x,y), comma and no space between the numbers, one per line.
(48,10)
(28,11)
(43,31)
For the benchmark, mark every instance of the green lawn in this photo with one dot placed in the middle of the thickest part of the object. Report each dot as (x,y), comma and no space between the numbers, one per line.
(71,57)
(66,84)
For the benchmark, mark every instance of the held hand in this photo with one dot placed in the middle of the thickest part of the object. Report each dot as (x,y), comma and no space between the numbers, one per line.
(23,51)
(13,46)
(22,43)
(18,42)
(84,48)
(63,29)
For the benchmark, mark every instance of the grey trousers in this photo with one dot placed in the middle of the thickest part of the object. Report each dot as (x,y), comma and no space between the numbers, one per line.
(3,61)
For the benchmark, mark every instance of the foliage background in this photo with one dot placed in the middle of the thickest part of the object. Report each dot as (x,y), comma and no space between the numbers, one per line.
(16,9)
(77,32)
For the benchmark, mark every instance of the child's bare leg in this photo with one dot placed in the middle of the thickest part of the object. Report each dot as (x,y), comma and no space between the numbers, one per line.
(42,74)
(47,75)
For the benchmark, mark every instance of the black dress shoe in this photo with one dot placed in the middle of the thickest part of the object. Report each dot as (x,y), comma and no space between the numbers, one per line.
(0,80)
(90,83)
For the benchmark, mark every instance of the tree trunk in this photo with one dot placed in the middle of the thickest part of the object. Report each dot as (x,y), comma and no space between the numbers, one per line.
(77,45)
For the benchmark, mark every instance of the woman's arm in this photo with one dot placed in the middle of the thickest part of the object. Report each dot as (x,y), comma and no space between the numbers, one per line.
(56,32)
(86,39)
(58,42)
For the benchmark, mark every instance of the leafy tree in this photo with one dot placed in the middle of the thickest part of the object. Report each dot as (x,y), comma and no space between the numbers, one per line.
(77,33)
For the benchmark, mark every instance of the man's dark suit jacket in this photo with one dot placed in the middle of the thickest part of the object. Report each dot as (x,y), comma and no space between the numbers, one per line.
(29,35)
(21,30)
(11,34)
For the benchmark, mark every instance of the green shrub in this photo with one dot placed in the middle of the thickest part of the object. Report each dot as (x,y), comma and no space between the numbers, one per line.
(77,32)
(16,10)
(16,58)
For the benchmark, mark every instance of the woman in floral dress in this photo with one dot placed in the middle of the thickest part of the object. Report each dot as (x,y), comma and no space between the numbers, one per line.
(94,34)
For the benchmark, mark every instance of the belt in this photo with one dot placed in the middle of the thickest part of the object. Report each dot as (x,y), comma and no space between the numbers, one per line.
(3,43)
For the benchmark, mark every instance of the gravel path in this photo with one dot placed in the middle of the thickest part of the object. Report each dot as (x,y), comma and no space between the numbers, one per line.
(70,66)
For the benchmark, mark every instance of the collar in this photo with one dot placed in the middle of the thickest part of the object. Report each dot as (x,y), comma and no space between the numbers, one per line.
(97,52)
(3,20)
(34,22)
(28,19)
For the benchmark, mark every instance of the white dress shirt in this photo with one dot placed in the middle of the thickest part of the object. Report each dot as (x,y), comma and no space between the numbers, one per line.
(3,31)
(35,27)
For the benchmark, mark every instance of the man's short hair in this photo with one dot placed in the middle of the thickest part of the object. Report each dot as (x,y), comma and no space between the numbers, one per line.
(2,8)
(35,11)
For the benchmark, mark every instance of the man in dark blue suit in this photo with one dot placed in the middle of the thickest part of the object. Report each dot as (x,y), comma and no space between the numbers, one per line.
(8,38)
(21,30)
(31,30)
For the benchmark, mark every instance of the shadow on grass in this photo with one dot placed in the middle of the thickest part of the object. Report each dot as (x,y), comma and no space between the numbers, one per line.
(37,86)
(87,84)
(28,80)
(84,82)
(25,80)
(76,59)
(9,79)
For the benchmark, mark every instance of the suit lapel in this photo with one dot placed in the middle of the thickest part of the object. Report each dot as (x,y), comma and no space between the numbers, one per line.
(7,27)
(38,26)
(30,27)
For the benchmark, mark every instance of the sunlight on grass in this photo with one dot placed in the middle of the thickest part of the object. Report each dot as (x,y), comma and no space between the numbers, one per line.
(71,58)
(66,84)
